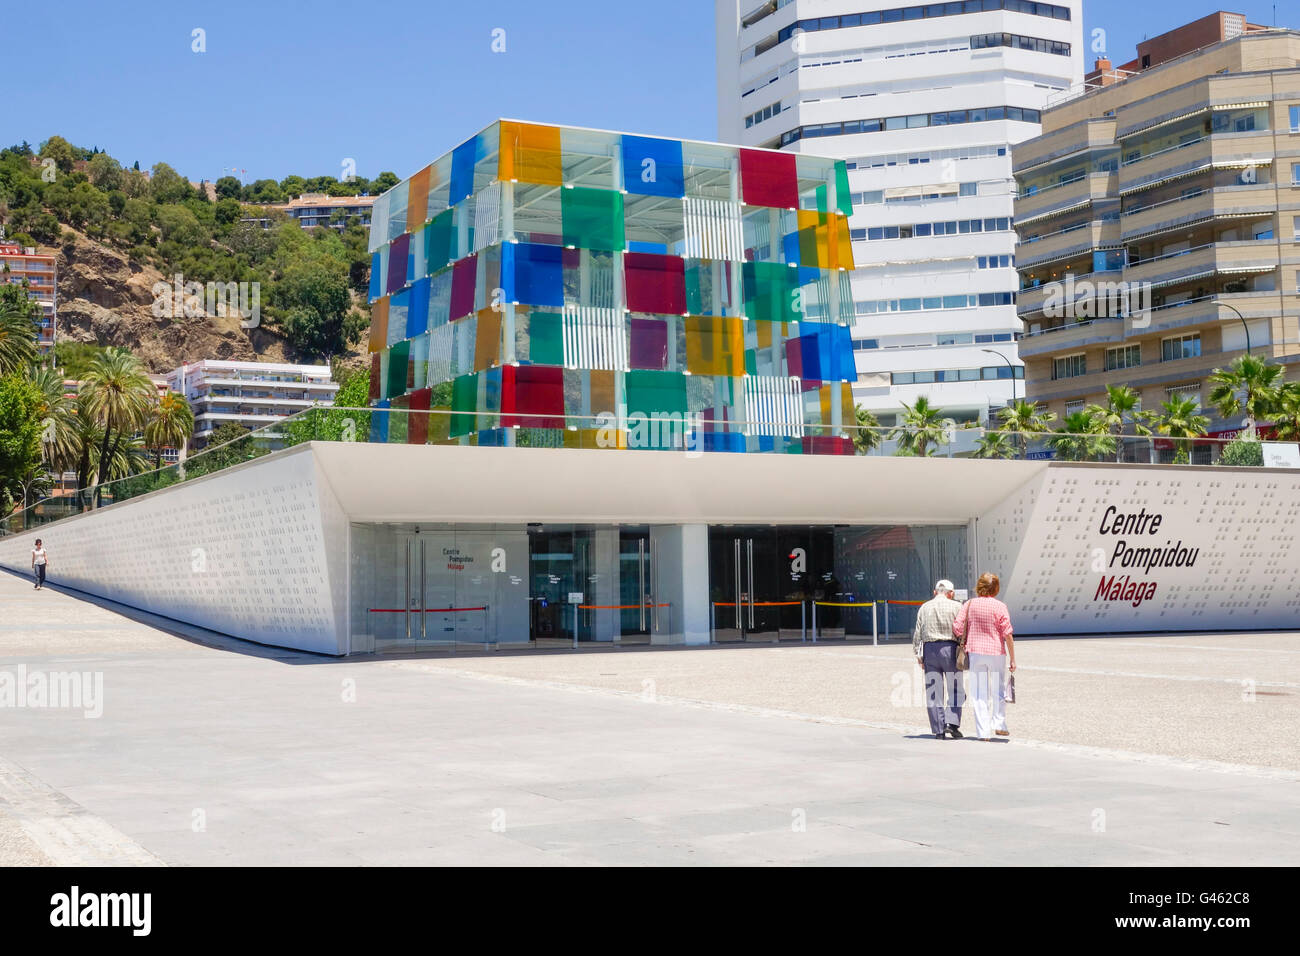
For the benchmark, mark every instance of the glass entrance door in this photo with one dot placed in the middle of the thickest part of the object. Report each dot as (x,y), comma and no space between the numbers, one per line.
(757,583)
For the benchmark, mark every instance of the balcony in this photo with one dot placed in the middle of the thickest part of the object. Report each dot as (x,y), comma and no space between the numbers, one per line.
(1218,150)
(1072,336)
(1202,205)
(1206,261)
(1054,200)
(1030,302)
(1076,241)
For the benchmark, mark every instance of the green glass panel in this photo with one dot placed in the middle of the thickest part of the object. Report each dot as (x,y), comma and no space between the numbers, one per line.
(546,338)
(823,192)
(843,198)
(649,392)
(751,362)
(694,289)
(769,291)
(593,219)
(464,398)
(439,237)
(399,422)
(398,359)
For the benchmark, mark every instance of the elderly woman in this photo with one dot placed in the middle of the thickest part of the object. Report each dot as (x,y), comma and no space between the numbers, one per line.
(985,625)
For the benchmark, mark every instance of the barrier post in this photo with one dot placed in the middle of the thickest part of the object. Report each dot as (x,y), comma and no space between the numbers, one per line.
(803,620)
(814,621)
(887,630)
(874,637)
(713,614)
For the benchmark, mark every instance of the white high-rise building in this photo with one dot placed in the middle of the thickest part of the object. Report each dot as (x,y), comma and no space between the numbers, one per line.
(924,102)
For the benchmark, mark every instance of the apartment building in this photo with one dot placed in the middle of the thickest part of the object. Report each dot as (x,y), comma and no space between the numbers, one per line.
(924,103)
(1178,175)
(251,394)
(318,209)
(21,265)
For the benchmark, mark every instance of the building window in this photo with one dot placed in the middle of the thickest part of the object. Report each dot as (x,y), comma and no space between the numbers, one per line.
(1295,174)
(969,189)
(1180,347)
(1073,407)
(1070,366)
(1295,119)
(1184,391)
(1126,356)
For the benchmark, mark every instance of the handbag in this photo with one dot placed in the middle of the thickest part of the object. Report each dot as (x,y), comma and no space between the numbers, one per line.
(1009,695)
(963,663)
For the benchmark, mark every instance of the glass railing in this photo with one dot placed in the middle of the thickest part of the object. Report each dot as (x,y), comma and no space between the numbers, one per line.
(689,434)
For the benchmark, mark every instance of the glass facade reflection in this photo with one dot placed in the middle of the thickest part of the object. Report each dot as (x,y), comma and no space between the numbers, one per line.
(442,586)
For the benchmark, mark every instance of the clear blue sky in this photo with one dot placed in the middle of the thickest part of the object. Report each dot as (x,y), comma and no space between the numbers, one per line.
(297,88)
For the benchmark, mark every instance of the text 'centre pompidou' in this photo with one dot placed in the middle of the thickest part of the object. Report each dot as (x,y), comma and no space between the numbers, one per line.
(551,286)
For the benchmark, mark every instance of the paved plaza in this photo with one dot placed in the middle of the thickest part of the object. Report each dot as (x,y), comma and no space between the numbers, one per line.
(1125,751)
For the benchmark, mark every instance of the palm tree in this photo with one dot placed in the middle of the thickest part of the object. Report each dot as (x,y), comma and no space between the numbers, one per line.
(1123,406)
(1258,380)
(1181,419)
(1083,438)
(117,394)
(1287,415)
(171,423)
(59,444)
(866,437)
(994,444)
(18,335)
(1025,419)
(923,425)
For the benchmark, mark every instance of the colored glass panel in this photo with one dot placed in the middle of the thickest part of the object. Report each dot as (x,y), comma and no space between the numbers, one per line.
(592,219)
(530,154)
(398,306)
(463,158)
(655,283)
(378,324)
(648,344)
(376,370)
(398,365)
(530,391)
(533,274)
(653,167)
(843,197)
(604,391)
(464,398)
(439,240)
(464,274)
(545,345)
(650,392)
(417,312)
(768,179)
(417,199)
(769,290)
(417,428)
(397,263)
(487,340)
(376,277)
(715,346)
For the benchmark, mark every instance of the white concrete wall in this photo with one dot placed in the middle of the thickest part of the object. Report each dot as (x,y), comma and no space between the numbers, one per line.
(257,551)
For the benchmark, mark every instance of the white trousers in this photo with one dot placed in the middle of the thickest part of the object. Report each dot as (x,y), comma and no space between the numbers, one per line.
(984,689)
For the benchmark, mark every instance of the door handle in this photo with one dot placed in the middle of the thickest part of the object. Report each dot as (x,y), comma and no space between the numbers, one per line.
(640,570)
(740,621)
(749,548)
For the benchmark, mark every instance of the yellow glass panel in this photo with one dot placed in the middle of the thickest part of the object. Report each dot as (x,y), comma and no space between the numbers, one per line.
(417,199)
(378,324)
(530,154)
(764,334)
(487,340)
(715,345)
(824,393)
(602,392)
(841,246)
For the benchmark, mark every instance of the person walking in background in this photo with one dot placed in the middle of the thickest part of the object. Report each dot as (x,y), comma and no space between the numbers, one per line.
(40,561)
(935,647)
(985,623)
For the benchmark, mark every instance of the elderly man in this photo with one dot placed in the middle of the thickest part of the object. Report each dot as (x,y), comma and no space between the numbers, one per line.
(936,652)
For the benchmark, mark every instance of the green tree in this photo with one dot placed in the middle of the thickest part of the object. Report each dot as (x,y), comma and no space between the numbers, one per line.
(105,172)
(61,151)
(1025,419)
(1251,384)
(1181,420)
(1243,453)
(383,182)
(319,319)
(19,314)
(994,444)
(1122,408)
(228,187)
(923,426)
(1287,415)
(866,437)
(168,186)
(170,425)
(57,415)
(20,437)
(1083,437)
(118,394)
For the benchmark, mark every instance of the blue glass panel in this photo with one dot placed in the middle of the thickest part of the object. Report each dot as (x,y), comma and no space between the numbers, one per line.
(417,313)
(376,276)
(532,274)
(463,158)
(653,167)
(379,423)
(656,248)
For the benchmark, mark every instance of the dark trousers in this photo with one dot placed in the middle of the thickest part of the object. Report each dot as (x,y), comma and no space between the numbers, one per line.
(40,575)
(942,679)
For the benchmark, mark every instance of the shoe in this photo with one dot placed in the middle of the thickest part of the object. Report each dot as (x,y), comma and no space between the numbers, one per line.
(939,735)
(1003,733)
(956,734)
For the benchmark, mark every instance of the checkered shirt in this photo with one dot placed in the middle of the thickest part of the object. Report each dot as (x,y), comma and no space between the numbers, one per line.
(986,623)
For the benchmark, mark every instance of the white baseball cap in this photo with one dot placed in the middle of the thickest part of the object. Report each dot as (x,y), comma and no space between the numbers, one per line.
(944,585)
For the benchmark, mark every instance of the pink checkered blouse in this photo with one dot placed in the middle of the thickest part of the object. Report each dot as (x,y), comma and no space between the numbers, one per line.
(986,623)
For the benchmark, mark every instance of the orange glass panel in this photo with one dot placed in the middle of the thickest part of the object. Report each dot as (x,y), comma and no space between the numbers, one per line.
(715,345)
(487,340)
(841,246)
(379,324)
(417,199)
(530,154)
(602,392)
